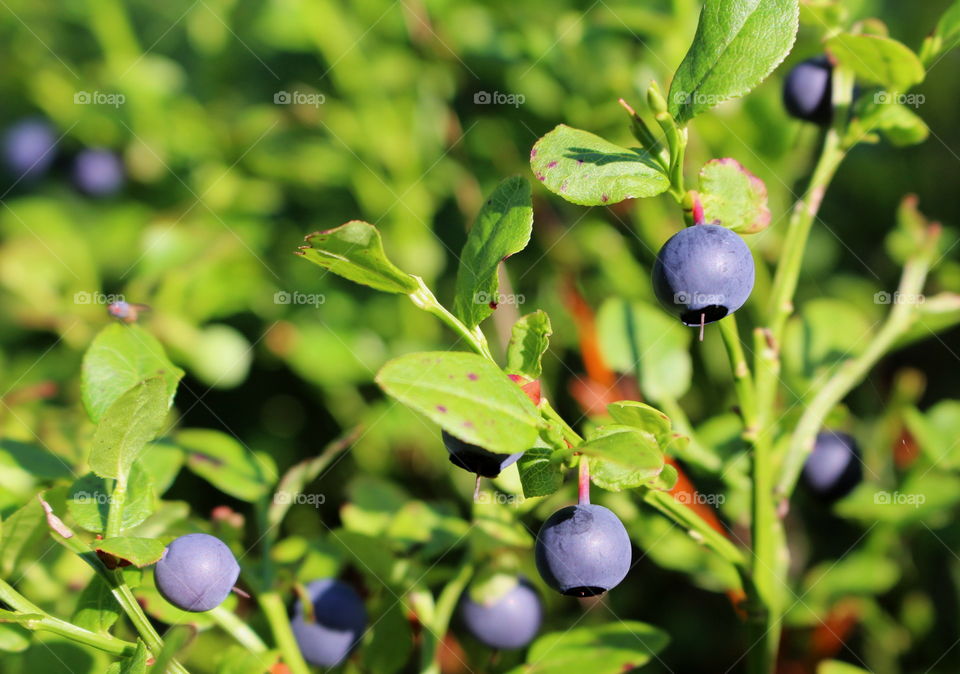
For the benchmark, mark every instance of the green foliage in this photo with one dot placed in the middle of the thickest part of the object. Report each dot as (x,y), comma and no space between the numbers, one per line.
(89,501)
(878,60)
(131,421)
(529,340)
(226,464)
(605,649)
(737,45)
(355,251)
(622,457)
(588,170)
(501,229)
(733,196)
(467,396)
(138,551)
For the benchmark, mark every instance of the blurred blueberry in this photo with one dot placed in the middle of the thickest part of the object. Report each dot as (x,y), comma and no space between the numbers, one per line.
(807,91)
(510,622)
(29,148)
(98,173)
(339,622)
(834,468)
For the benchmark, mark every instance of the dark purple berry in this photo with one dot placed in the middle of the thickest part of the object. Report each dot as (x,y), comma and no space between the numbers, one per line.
(476,459)
(98,173)
(583,550)
(29,148)
(703,273)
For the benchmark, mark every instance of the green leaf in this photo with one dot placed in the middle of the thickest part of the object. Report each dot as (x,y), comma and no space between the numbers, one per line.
(135,664)
(119,358)
(392,641)
(529,340)
(238,660)
(355,251)
(89,501)
(821,14)
(96,610)
(226,464)
(897,123)
(937,431)
(20,530)
(642,416)
(945,37)
(622,457)
(737,45)
(13,637)
(586,169)
(733,197)
(611,648)
(133,420)
(140,552)
(467,395)
(162,460)
(539,476)
(502,229)
(878,60)
(635,336)
(490,584)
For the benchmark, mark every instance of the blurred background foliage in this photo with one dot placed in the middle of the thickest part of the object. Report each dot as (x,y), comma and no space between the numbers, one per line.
(243,126)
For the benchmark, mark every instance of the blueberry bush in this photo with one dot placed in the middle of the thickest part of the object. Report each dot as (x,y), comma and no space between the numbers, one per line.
(641,359)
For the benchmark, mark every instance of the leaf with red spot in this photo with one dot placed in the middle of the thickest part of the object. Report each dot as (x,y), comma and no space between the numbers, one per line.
(586,169)
(733,197)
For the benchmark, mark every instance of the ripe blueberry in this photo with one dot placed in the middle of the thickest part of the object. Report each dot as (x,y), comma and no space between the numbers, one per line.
(583,550)
(476,459)
(512,621)
(703,273)
(196,572)
(29,147)
(98,173)
(338,625)
(834,468)
(807,91)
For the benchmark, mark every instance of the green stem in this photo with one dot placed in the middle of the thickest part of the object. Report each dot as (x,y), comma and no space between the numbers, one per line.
(742,379)
(439,621)
(43,622)
(115,515)
(276,614)
(425,299)
(696,525)
(570,435)
(238,629)
(854,370)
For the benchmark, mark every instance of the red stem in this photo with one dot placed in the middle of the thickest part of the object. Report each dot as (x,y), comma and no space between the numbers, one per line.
(584,484)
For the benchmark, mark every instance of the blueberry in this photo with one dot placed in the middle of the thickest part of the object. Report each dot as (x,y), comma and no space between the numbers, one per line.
(808,91)
(196,572)
(29,148)
(583,550)
(98,173)
(476,459)
(339,622)
(703,273)
(509,622)
(834,467)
